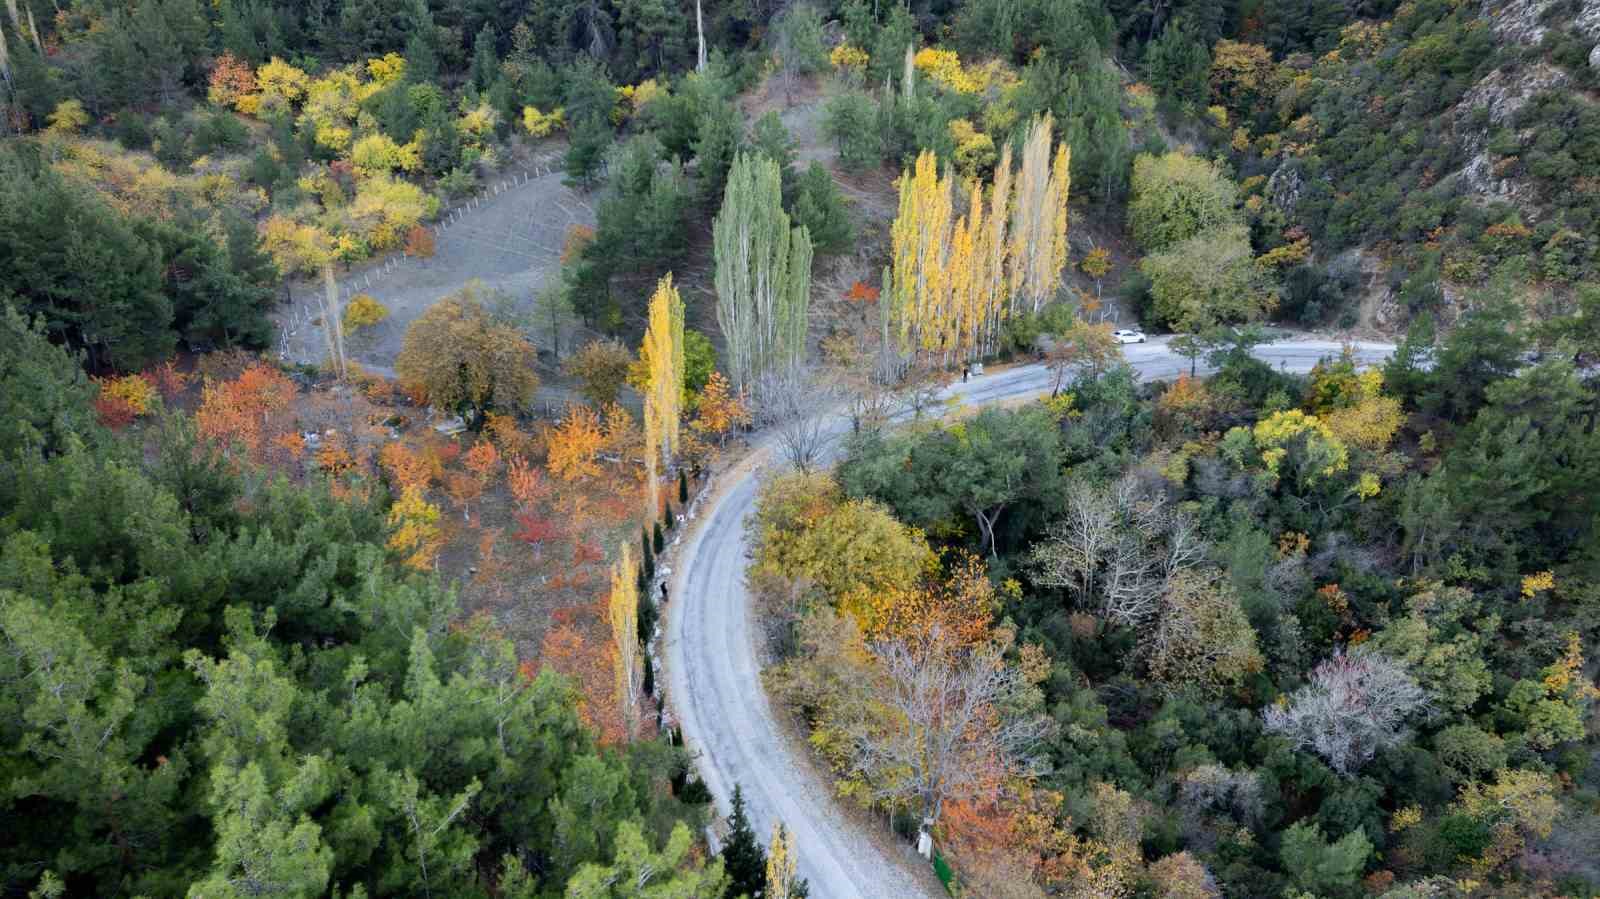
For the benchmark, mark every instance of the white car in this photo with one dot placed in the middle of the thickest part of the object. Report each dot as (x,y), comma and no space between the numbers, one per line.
(1126,336)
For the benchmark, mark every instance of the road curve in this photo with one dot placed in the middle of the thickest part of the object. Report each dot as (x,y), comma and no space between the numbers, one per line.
(714,678)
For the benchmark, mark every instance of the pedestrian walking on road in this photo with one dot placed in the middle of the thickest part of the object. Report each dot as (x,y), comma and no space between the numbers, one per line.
(663,592)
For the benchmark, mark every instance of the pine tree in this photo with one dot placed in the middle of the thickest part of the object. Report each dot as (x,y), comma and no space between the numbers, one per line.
(763,273)
(647,616)
(743,859)
(485,63)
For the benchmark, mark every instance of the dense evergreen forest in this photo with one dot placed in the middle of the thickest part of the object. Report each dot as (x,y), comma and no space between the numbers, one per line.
(1251,634)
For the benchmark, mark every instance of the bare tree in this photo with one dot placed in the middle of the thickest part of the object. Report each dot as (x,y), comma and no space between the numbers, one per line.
(1078,543)
(795,404)
(919,390)
(798,45)
(867,376)
(1356,704)
(957,725)
(1117,548)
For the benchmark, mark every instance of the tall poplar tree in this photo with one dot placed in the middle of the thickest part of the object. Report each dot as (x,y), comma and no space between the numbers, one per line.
(1039,219)
(662,355)
(955,280)
(921,240)
(763,274)
(622,610)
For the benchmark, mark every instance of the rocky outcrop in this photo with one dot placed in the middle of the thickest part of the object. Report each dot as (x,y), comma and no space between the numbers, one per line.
(1501,95)
(1525,22)
(1285,185)
(1588,22)
(1518,21)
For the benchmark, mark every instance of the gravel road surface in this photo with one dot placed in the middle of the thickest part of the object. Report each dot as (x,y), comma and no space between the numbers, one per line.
(715,677)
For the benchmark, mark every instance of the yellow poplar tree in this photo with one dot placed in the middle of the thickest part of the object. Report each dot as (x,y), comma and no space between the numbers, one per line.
(921,245)
(782,880)
(1038,240)
(662,355)
(953,281)
(994,249)
(622,607)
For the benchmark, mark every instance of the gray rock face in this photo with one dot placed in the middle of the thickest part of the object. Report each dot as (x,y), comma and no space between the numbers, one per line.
(1588,22)
(1518,21)
(1284,187)
(1502,95)
(1523,21)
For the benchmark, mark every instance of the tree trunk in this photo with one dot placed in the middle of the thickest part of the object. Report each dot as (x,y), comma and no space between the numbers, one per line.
(700,37)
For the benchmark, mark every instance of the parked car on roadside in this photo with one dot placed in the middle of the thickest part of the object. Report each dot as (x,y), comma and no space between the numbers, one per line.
(1127,336)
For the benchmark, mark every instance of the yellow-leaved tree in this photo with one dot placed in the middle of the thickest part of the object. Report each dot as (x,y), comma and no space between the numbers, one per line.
(622,609)
(415,533)
(954,280)
(920,237)
(1039,218)
(662,355)
(782,880)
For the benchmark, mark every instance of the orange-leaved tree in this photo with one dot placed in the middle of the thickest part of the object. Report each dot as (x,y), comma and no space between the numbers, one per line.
(419,242)
(483,460)
(574,444)
(406,468)
(960,603)
(248,412)
(587,662)
(527,483)
(718,409)
(233,83)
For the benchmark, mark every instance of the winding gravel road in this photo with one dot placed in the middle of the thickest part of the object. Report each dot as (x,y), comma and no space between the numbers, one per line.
(715,678)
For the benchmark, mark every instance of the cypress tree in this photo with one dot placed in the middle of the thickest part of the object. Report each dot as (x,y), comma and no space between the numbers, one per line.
(683,488)
(649,558)
(660,541)
(666,515)
(743,859)
(647,618)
